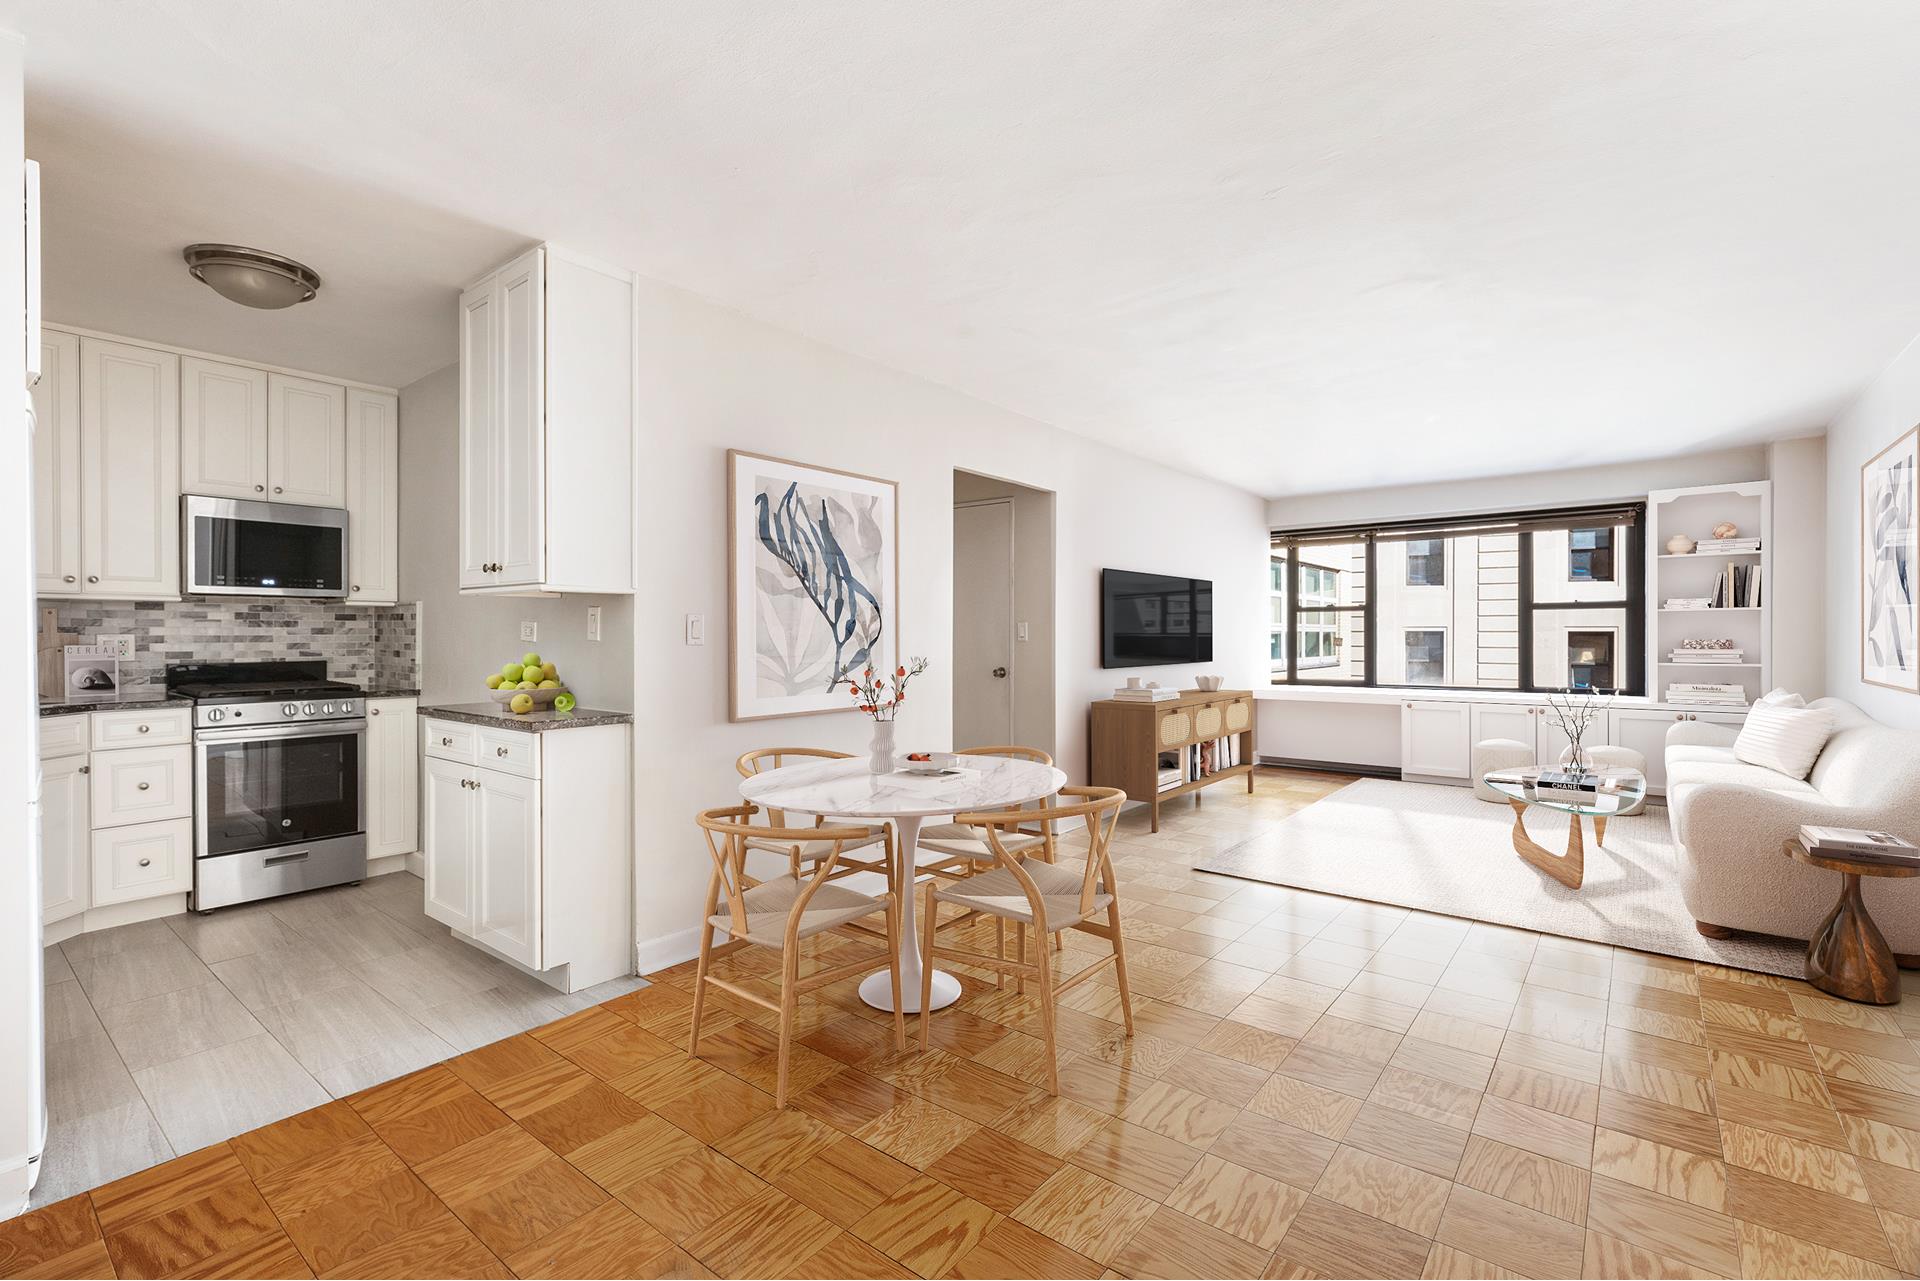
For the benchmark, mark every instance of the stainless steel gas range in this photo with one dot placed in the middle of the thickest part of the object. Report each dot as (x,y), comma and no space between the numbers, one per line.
(279,772)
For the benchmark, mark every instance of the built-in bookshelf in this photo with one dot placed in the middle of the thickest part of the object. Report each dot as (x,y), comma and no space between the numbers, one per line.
(1738,583)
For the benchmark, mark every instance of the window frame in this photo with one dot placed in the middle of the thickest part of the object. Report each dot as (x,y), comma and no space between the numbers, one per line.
(1632,661)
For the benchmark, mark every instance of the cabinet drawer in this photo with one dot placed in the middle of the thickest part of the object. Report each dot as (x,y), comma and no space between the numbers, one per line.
(1239,715)
(451,741)
(156,727)
(510,752)
(1175,729)
(142,861)
(1209,721)
(63,736)
(142,785)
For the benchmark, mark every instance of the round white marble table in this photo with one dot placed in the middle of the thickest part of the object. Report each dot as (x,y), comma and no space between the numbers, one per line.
(846,789)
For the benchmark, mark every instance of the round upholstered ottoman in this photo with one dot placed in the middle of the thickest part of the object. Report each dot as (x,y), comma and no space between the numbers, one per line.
(1607,756)
(1490,754)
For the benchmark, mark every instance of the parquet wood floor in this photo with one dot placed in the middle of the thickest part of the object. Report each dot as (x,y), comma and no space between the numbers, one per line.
(1317,1087)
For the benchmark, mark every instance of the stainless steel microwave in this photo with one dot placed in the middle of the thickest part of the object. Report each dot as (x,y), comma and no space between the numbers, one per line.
(235,547)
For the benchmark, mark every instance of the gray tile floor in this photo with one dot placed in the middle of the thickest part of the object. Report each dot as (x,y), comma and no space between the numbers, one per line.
(169,1035)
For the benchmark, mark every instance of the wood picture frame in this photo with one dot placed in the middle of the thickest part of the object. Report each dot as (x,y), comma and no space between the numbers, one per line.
(1889,559)
(813,568)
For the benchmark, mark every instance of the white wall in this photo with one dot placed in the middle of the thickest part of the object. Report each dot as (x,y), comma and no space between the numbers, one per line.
(1889,406)
(1034,658)
(1798,563)
(711,379)
(465,638)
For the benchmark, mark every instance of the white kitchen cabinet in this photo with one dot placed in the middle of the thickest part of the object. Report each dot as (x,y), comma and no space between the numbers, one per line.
(223,429)
(532,866)
(129,471)
(306,441)
(142,785)
(1434,739)
(65,833)
(143,861)
(546,427)
(56,466)
(393,778)
(373,497)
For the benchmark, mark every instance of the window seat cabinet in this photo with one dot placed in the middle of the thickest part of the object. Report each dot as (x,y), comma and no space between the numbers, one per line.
(1437,736)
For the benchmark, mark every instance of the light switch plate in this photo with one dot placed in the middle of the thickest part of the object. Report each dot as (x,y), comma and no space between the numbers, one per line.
(1020,630)
(121,644)
(593,622)
(696,629)
(529,631)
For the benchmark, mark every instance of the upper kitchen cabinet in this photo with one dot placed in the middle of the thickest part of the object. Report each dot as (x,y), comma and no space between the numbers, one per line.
(306,441)
(546,428)
(56,466)
(129,471)
(223,429)
(373,497)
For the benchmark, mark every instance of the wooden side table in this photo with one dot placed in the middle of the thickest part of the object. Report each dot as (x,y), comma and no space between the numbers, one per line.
(1847,956)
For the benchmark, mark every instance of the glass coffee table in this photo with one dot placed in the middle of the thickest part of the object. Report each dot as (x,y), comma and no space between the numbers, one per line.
(1615,790)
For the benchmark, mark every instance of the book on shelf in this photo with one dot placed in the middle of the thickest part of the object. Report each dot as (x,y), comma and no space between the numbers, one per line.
(1738,587)
(1705,656)
(1144,695)
(1860,844)
(1687,602)
(1727,545)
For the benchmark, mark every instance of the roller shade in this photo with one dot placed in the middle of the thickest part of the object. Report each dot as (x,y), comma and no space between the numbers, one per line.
(1522,522)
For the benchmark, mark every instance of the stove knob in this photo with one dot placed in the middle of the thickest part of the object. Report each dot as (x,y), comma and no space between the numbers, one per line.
(290,709)
(326,709)
(216,714)
(307,710)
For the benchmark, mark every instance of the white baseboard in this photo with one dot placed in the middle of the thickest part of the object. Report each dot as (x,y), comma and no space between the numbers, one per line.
(106,918)
(390,863)
(666,951)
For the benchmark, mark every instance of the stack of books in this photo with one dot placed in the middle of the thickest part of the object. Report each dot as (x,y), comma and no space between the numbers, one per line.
(1705,694)
(1706,656)
(1145,695)
(1560,785)
(1738,587)
(1688,602)
(1727,545)
(1859,846)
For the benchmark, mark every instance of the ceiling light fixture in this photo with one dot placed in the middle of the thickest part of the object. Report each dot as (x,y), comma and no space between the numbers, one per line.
(252,277)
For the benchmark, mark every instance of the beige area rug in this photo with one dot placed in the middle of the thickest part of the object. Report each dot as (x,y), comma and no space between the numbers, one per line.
(1440,849)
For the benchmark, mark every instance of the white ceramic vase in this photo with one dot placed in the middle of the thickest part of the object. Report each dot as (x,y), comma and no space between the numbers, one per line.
(880,750)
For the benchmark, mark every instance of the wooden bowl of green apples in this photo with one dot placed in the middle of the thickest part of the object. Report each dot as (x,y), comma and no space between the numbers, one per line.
(528,684)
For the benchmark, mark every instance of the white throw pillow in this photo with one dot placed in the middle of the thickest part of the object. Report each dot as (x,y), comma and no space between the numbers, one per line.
(1782,698)
(1783,738)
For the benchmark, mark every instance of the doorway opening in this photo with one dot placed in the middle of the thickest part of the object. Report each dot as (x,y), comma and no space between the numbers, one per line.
(1003,638)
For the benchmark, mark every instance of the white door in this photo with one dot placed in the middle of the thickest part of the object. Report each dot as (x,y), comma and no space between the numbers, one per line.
(983,624)
(1508,720)
(129,470)
(56,467)
(1434,739)
(64,836)
(223,429)
(506,914)
(446,832)
(393,778)
(520,533)
(373,497)
(306,441)
(1645,731)
(479,413)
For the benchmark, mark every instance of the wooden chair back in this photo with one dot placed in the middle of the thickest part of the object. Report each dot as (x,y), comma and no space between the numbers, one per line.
(1038,757)
(1099,808)
(727,831)
(766,758)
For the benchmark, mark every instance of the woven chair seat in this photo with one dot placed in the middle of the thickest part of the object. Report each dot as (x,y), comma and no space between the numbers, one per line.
(771,902)
(999,893)
(962,841)
(814,851)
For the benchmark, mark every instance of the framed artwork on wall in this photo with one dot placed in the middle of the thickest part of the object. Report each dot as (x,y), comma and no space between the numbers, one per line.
(1889,557)
(813,567)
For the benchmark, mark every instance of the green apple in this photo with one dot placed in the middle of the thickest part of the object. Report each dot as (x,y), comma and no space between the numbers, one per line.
(563,702)
(510,674)
(549,672)
(549,684)
(531,660)
(529,684)
(493,681)
(522,703)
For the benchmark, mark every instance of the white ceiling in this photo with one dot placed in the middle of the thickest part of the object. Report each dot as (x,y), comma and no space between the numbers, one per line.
(1299,246)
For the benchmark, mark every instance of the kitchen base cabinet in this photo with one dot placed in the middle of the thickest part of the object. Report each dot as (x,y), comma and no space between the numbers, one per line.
(65,829)
(142,861)
(1433,739)
(392,778)
(526,846)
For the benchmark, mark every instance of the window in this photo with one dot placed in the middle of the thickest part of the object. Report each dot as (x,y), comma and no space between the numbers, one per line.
(1509,601)
(1590,555)
(1426,657)
(1426,562)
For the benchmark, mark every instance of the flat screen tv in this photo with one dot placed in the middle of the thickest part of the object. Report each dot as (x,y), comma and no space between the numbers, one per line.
(1147,620)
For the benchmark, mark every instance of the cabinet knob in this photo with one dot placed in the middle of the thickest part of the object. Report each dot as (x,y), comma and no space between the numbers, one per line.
(446,742)
(145,786)
(93,578)
(356,587)
(259,489)
(499,751)
(145,728)
(146,862)
(373,711)
(278,490)
(86,769)
(69,578)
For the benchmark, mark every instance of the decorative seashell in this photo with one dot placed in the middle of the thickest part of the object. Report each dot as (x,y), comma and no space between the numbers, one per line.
(1726,529)
(1680,545)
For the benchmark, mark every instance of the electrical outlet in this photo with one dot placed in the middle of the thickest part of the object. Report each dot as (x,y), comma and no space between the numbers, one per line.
(529,631)
(696,629)
(122,646)
(593,622)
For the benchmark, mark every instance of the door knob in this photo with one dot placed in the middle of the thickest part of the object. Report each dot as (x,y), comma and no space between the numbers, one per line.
(1000,673)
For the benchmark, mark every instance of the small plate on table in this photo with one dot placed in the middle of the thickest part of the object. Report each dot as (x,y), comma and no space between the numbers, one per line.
(931,764)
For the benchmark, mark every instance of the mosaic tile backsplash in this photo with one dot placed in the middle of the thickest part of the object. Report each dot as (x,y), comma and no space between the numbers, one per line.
(374,647)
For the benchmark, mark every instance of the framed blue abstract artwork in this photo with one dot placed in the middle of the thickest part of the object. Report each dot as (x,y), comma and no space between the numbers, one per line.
(813,568)
(1889,557)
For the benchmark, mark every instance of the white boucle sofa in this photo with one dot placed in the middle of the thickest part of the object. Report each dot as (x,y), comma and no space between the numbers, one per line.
(1731,820)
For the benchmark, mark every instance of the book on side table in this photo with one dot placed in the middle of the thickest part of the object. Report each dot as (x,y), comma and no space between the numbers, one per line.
(1859,845)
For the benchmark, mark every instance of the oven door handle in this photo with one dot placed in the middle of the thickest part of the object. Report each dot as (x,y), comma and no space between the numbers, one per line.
(295,729)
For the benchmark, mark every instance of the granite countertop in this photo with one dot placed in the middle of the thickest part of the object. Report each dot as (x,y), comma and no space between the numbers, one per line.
(384,691)
(540,722)
(125,700)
